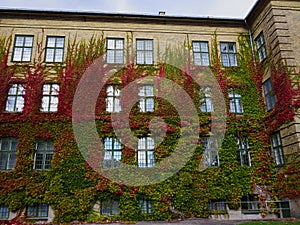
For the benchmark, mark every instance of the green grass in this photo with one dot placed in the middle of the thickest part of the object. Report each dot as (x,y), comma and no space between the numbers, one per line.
(272,223)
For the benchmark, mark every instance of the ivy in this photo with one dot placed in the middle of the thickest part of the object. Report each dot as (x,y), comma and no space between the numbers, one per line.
(71,187)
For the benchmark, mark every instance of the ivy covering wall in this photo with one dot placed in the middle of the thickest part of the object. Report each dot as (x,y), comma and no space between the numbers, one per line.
(72,188)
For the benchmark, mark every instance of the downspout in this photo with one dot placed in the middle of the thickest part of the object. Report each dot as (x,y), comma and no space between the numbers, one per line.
(251,41)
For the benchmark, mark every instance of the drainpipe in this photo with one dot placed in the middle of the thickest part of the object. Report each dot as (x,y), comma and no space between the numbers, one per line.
(251,40)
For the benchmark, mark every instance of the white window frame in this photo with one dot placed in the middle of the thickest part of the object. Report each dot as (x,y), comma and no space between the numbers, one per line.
(228,54)
(113,152)
(201,53)
(44,151)
(54,52)
(146,102)
(144,52)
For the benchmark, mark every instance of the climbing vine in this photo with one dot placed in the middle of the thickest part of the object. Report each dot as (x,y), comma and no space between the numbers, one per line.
(72,188)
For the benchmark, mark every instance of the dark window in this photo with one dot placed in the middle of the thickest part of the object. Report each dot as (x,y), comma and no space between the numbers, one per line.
(269,94)
(38,210)
(228,54)
(8,153)
(261,47)
(235,103)
(115,50)
(144,51)
(201,53)
(43,155)
(146,206)
(277,149)
(250,204)
(4,212)
(22,48)
(217,206)
(110,207)
(55,49)
(243,155)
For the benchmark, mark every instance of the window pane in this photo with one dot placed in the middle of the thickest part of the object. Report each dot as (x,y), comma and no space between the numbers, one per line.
(60,42)
(17,54)
(26,54)
(51,42)
(28,41)
(49,55)
(19,41)
(59,55)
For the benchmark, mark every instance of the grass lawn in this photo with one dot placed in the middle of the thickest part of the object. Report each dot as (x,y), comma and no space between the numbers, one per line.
(272,223)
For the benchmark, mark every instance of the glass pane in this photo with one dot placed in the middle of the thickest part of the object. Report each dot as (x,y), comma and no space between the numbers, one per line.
(197,59)
(150,143)
(149,90)
(17,54)
(225,60)
(224,47)
(46,89)
(13,89)
(55,89)
(196,46)
(119,44)
(3,159)
(142,143)
(49,55)
(150,104)
(26,54)
(60,42)
(149,58)
(53,104)
(233,61)
(231,47)
(12,160)
(5,144)
(110,44)
(204,47)
(142,159)
(142,105)
(119,56)
(110,56)
(43,210)
(19,41)
(205,59)
(148,45)
(45,103)
(10,103)
(28,41)
(117,144)
(59,55)
(19,104)
(108,143)
(51,42)
(140,45)
(140,57)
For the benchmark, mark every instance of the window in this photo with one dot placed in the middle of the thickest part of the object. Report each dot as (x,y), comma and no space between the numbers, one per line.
(250,204)
(235,104)
(243,155)
(144,52)
(15,98)
(269,94)
(8,153)
(217,205)
(145,152)
(201,53)
(146,102)
(50,98)
(43,155)
(146,206)
(210,148)
(113,153)
(110,207)
(4,212)
(38,210)
(55,49)
(113,99)
(115,50)
(261,47)
(277,149)
(228,54)
(206,100)
(22,48)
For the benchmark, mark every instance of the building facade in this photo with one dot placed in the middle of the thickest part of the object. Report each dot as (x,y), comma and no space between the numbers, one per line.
(254,62)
